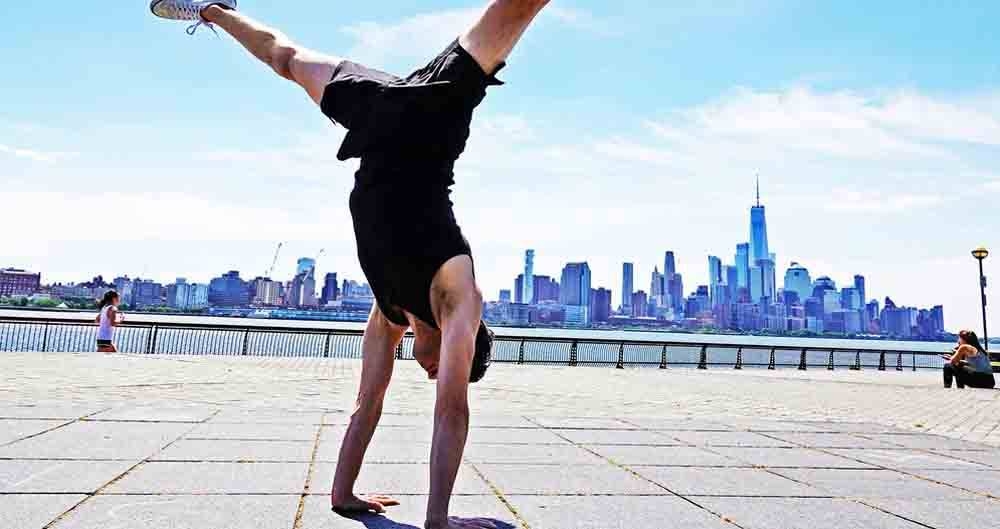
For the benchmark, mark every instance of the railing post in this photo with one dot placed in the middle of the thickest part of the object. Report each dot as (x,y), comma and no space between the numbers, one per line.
(739,359)
(572,354)
(151,340)
(621,356)
(399,350)
(703,358)
(881,361)
(802,361)
(857,362)
(45,338)
(770,363)
(326,345)
(663,357)
(914,361)
(829,365)
(246,342)
(520,353)
(899,362)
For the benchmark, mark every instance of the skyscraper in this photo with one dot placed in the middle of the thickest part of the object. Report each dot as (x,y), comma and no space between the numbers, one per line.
(575,285)
(715,279)
(797,280)
(743,265)
(305,264)
(669,265)
(628,276)
(758,231)
(504,296)
(519,290)
(859,283)
(546,290)
(331,289)
(600,305)
(529,276)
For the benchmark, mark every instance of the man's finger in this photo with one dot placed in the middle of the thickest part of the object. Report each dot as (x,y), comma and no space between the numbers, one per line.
(375,506)
(386,501)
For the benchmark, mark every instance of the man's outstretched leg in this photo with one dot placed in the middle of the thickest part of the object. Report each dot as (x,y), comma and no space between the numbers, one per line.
(309,69)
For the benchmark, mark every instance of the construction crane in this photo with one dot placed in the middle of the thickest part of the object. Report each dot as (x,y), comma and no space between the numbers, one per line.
(320,254)
(274,262)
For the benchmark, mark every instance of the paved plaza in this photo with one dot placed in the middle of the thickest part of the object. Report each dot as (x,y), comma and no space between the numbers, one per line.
(186,442)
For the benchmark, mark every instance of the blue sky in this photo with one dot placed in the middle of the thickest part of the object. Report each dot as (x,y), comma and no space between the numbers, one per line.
(626,129)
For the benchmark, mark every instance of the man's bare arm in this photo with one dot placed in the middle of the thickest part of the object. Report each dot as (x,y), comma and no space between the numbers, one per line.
(379,347)
(309,69)
(491,39)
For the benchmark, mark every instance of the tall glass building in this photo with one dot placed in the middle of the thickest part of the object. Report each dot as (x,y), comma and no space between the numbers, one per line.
(529,276)
(743,265)
(758,232)
(797,280)
(628,276)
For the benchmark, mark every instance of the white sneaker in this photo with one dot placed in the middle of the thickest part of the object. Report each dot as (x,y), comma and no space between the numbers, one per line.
(187,10)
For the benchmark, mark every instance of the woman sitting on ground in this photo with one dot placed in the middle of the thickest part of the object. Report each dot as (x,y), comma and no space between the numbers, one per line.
(970,364)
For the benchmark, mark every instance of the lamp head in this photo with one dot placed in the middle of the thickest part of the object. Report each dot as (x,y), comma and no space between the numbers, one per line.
(980,253)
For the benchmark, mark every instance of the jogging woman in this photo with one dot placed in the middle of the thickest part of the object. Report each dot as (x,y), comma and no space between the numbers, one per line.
(107,319)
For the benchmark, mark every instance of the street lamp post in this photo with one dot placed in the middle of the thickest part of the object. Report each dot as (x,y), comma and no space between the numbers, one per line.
(981,254)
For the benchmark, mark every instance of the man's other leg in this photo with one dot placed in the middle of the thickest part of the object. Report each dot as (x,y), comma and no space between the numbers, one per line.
(309,69)
(491,39)
(379,354)
(457,305)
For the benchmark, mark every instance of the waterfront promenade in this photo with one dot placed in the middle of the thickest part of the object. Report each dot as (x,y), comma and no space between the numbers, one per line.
(122,442)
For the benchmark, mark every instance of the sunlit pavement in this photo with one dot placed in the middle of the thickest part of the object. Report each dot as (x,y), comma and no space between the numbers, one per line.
(116,442)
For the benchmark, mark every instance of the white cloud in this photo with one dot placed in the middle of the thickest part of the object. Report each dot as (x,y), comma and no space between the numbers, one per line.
(413,40)
(171,216)
(35,155)
(877,202)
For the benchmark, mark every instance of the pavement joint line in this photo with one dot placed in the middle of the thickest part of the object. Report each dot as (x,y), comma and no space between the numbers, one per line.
(300,510)
(905,472)
(114,480)
(54,428)
(629,470)
(499,495)
(890,513)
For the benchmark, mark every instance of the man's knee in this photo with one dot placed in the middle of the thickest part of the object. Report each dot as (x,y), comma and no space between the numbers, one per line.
(282,57)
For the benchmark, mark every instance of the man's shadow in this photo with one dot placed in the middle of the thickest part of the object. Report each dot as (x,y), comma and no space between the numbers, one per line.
(380,521)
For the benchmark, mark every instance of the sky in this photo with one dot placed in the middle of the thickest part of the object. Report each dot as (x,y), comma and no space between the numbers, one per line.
(625,129)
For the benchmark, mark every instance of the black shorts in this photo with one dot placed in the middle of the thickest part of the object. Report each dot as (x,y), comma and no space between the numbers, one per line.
(408,133)
(104,343)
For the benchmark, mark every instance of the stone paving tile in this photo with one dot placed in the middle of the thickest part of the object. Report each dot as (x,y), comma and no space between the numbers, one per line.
(944,514)
(830,440)
(676,424)
(515,435)
(213,478)
(410,514)
(13,429)
(789,457)
(43,411)
(803,513)
(82,477)
(729,439)
(156,413)
(566,454)
(391,478)
(98,440)
(981,481)
(905,459)
(250,416)
(620,437)
(927,441)
(237,451)
(378,451)
(873,484)
(663,455)
(34,511)
(612,512)
(385,434)
(263,432)
(184,512)
(580,422)
(689,481)
(581,479)
(990,458)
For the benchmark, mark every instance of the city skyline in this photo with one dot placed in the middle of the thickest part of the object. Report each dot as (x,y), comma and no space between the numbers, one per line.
(886,163)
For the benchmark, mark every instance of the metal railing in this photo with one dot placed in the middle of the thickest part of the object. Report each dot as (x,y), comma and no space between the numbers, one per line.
(153,334)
